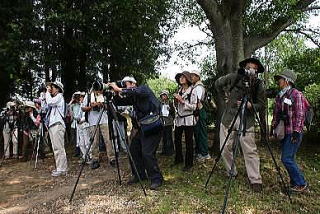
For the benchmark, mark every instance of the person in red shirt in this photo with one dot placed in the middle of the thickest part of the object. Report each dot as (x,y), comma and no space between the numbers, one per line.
(290,108)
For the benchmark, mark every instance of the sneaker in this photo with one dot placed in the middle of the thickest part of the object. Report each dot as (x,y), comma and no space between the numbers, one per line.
(95,164)
(56,173)
(203,157)
(299,188)
(256,187)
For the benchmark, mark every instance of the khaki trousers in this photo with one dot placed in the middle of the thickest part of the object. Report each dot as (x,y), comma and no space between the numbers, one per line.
(104,128)
(56,133)
(7,136)
(249,149)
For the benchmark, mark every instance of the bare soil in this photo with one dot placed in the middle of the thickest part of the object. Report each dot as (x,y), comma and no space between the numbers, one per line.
(28,190)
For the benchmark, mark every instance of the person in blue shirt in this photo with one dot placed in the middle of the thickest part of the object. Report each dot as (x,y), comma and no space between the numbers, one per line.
(143,148)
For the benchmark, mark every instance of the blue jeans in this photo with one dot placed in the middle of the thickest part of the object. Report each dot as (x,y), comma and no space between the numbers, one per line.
(289,151)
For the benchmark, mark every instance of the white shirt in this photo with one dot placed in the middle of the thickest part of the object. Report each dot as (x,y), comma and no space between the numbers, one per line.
(165,110)
(93,116)
(57,106)
(200,92)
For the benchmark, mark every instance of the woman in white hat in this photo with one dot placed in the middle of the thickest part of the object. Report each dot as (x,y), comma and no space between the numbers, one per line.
(56,126)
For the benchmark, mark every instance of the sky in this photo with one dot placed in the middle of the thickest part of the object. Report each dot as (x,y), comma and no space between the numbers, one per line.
(193,34)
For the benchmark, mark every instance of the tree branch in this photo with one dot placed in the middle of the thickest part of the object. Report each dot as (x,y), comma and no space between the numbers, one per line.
(280,24)
(311,8)
(308,36)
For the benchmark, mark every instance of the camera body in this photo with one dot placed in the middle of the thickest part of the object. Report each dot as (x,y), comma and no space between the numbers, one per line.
(98,85)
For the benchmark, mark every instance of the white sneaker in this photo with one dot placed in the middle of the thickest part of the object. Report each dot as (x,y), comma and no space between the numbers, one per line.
(56,173)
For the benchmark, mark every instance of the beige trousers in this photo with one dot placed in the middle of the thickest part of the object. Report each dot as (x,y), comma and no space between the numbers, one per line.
(249,149)
(104,128)
(7,136)
(56,133)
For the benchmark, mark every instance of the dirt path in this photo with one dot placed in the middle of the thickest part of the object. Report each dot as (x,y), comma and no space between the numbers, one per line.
(28,190)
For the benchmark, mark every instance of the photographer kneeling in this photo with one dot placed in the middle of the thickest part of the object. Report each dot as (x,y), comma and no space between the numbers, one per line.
(143,146)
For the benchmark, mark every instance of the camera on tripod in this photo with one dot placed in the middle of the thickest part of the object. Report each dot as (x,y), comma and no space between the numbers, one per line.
(98,85)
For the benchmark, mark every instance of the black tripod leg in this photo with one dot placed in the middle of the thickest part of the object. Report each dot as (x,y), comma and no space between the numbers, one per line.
(116,153)
(282,183)
(112,109)
(86,156)
(217,159)
(231,174)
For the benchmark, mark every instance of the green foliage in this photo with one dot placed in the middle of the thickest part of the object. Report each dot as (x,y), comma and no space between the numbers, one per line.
(159,84)
(75,40)
(312,93)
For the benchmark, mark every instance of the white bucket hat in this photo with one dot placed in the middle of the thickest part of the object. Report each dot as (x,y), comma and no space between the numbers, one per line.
(129,79)
(9,104)
(164,92)
(59,85)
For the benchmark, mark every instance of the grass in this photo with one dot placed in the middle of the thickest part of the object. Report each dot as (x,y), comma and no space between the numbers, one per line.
(185,193)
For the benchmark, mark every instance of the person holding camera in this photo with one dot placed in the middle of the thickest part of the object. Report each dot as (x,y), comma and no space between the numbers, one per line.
(10,130)
(167,115)
(288,122)
(31,122)
(56,126)
(233,87)
(75,108)
(144,144)
(186,104)
(93,105)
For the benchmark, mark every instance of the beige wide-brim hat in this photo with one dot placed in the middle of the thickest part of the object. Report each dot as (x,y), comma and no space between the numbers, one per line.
(29,104)
(288,75)
(196,73)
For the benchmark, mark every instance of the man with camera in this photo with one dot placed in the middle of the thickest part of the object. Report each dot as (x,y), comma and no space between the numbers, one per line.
(233,87)
(93,105)
(10,130)
(56,126)
(144,143)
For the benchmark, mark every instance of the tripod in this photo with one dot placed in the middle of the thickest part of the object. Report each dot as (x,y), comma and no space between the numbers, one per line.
(112,110)
(40,139)
(241,132)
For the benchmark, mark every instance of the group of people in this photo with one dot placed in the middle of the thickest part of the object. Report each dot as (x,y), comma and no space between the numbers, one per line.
(153,119)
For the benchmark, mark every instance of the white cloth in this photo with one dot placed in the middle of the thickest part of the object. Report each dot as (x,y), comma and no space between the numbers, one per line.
(93,116)
(75,109)
(7,136)
(57,109)
(200,91)
(165,110)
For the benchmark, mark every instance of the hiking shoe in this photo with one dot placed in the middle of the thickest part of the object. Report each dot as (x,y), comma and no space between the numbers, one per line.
(113,163)
(299,189)
(95,165)
(56,173)
(155,185)
(203,157)
(256,187)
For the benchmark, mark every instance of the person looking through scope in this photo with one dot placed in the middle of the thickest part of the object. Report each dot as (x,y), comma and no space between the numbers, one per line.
(93,105)
(233,87)
(145,142)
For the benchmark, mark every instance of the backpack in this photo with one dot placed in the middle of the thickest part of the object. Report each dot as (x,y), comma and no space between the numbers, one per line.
(308,110)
